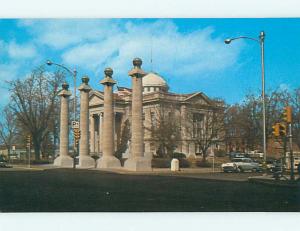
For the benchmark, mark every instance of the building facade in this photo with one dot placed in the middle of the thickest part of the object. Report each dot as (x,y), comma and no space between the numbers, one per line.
(190,110)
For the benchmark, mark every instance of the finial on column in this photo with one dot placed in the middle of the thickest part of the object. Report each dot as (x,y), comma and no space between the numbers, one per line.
(85,79)
(65,86)
(108,80)
(137,70)
(108,72)
(137,62)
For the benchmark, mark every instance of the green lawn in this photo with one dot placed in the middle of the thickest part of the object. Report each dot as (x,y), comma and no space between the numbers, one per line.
(84,190)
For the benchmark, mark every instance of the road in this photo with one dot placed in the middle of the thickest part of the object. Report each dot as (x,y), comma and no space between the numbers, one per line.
(63,190)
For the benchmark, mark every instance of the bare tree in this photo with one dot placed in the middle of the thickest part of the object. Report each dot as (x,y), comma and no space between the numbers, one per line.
(165,129)
(207,130)
(8,128)
(33,102)
(295,102)
(123,142)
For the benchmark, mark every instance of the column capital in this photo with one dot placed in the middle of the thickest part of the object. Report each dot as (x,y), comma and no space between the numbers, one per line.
(85,84)
(64,92)
(137,71)
(108,80)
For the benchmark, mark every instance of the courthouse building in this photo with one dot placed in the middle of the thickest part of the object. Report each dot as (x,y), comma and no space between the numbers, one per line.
(193,107)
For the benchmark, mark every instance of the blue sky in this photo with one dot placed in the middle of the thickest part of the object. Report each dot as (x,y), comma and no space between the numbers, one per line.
(189,53)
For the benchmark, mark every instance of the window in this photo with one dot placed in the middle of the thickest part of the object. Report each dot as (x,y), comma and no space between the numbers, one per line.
(197,124)
(153,120)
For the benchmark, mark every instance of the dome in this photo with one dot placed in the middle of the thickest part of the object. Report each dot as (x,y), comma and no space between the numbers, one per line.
(154,82)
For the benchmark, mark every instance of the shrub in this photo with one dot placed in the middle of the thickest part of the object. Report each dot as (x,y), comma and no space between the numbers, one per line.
(184,163)
(178,155)
(95,157)
(161,163)
(202,164)
(40,162)
(220,153)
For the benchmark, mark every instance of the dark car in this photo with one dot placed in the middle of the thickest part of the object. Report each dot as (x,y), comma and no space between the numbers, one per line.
(4,162)
(276,166)
(233,155)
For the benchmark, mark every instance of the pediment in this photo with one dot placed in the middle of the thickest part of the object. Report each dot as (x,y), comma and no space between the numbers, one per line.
(96,98)
(199,98)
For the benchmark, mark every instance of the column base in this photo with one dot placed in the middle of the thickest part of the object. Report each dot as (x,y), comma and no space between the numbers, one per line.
(108,162)
(138,164)
(86,162)
(63,161)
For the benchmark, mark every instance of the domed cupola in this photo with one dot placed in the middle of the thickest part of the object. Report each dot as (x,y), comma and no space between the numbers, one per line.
(152,82)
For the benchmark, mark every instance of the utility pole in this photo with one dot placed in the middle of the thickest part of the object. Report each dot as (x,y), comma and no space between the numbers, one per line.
(29,149)
(287,116)
(291,152)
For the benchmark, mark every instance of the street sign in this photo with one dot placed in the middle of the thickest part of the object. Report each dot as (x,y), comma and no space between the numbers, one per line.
(75,124)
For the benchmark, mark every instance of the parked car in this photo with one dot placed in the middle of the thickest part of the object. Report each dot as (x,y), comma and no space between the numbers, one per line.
(233,155)
(241,165)
(276,166)
(4,162)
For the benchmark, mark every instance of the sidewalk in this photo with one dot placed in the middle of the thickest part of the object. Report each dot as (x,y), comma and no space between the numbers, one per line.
(270,180)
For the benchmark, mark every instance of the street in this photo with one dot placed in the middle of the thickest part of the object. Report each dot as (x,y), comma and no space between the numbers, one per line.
(68,190)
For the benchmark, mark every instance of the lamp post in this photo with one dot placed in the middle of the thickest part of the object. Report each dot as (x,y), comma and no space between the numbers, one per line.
(261,41)
(73,74)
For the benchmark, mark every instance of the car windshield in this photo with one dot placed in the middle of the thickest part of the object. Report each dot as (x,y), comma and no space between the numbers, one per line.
(242,160)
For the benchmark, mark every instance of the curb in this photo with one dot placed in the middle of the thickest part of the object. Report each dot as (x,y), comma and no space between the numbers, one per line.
(273,182)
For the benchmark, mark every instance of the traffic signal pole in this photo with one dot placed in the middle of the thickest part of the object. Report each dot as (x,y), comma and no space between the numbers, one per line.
(29,155)
(287,117)
(291,151)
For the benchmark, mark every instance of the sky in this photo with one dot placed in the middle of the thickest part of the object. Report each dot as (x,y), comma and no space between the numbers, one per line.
(189,53)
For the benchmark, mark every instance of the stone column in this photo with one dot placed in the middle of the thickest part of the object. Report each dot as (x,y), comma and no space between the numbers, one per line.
(92,134)
(85,161)
(136,160)
(184,127)
(108,160)
(64,160)
(101,132)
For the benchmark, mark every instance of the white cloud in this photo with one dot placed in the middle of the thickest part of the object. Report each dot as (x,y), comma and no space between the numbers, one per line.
(172,52)
(18,51)
(284,87)
(96,44)
(61,33)
(8,71)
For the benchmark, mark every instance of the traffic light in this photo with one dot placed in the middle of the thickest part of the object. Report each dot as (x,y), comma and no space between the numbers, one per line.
(275,131)
(287,114)
(282,129)
(28,140)
(76,135)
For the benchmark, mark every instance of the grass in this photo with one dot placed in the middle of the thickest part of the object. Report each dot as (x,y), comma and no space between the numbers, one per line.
(62,190)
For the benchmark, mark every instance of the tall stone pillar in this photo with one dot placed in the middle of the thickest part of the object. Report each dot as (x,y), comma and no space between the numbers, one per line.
(85,161)
(92,134)
(100,131)
(64,160)
(137,160)
(108,160)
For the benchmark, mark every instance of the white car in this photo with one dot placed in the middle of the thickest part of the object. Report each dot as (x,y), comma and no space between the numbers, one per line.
(241,165)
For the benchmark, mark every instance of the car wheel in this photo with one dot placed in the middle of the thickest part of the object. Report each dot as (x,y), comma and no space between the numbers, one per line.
(254,170)
(240,169)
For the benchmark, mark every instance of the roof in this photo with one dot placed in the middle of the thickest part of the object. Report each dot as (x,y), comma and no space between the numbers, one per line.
(154,80)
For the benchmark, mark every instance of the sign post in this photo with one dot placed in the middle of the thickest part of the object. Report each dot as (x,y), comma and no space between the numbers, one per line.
(76,135)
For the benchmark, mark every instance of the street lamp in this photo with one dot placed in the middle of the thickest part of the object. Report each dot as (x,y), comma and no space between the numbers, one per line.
(260,40)
(74,74)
